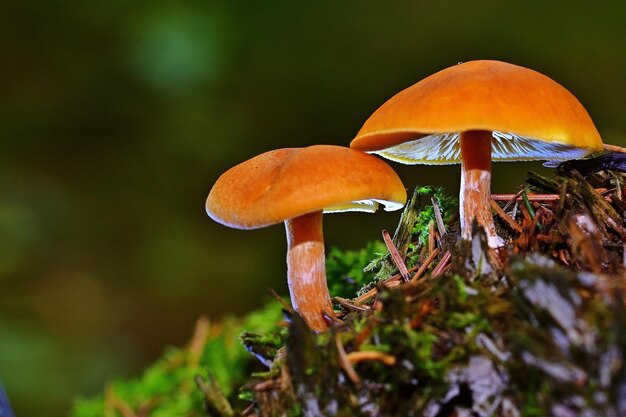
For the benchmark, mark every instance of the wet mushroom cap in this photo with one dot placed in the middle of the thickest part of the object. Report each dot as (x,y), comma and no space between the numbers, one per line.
(532,117)
(286,183)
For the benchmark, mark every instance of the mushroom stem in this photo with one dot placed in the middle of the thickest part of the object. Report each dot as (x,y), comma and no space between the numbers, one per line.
(476,184)
(306,270)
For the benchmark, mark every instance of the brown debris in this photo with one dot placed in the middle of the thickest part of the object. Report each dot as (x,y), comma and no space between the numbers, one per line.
(431,237)
(441,227)
(424,310)
(392,281)
(443,264)
(505,216)
(578,222)
(531,197)
(584,240)
(345,363)
(425,265)
(371,356)
(395,257)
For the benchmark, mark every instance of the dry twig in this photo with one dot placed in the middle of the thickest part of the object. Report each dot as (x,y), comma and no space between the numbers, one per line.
(425,265)
(371,355)
(395,257)
(392,281)
(345,363)
(431,236)
(505,216)
(441,227)
(443,263)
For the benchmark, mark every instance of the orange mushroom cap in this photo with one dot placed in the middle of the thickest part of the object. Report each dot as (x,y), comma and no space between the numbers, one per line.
(531,116)
(286,183)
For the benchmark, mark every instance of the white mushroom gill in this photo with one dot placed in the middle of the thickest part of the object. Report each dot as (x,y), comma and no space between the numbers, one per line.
(368,206)
(445,148)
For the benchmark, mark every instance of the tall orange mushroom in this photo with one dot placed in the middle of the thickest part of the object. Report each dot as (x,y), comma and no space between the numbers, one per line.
(474,113)
(294,186)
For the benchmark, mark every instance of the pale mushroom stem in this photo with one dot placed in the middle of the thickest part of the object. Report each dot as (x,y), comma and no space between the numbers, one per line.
(476,185)
(306,270)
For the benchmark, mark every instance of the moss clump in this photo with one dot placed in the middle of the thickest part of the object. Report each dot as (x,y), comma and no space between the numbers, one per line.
(167,387)
(536,328)
(346,270)
(448,206)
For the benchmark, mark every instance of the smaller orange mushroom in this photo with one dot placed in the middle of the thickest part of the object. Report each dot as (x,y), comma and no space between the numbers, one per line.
(294,186)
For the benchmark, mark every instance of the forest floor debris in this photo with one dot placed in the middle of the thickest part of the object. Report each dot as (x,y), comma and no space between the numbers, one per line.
(441,328)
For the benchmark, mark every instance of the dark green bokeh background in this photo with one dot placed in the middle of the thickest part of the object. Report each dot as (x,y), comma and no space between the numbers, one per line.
(117,117)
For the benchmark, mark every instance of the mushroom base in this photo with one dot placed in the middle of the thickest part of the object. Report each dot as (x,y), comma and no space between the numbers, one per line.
(476,185)
(306,270)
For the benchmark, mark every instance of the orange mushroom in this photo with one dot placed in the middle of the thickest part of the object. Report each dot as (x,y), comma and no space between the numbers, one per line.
(476,112)
(294,186)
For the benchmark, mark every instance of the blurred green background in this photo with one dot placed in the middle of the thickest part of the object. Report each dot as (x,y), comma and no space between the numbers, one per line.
(117,117)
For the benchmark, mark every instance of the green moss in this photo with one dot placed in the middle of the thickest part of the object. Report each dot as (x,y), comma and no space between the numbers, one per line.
(345,269)
(449,207)
(167,389)
(545,334)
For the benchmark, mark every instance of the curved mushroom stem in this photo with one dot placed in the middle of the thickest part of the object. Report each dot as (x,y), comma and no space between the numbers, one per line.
(306,270)
(476,185)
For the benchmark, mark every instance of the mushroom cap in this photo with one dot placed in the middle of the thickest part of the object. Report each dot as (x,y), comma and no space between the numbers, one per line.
(531,116)
(286,183)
